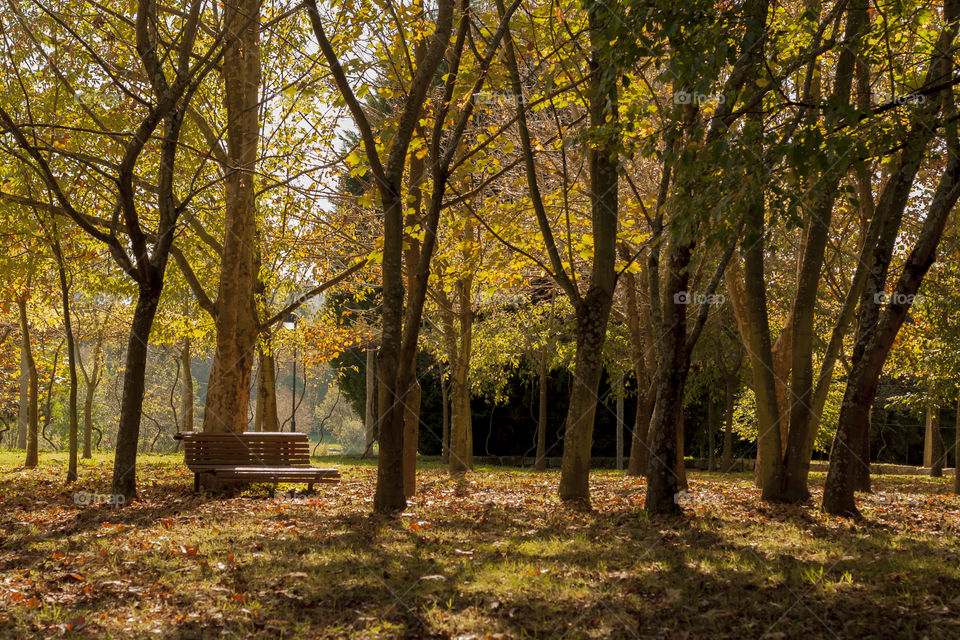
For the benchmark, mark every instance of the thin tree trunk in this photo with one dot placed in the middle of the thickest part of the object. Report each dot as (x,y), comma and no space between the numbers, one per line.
(370,406)
(541,460)
(131,405)
(33,423)
(711,432)
(23,414)
(933,443)
(726,462)
(411,430)
(956,450)
(92,381)
(620,425)
(71,360)
(186,388)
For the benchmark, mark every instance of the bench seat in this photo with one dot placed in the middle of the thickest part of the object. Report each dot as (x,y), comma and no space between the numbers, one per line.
(252,457)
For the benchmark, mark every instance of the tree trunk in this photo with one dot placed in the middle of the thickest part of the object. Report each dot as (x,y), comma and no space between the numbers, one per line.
(543,377)
(956,450)
(726,462)
(266,417)
(186,388)
(711,432)
(877,331)
(663,483)
(411,430)
(33,422)
(593,309)
(639,442)
(131,404)
(23,413)
(71,361)
(370,406)
(228,392)
(933,443)
(91,388)
(620,424)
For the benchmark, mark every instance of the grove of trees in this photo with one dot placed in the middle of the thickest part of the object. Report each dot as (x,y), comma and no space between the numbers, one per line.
(569,229)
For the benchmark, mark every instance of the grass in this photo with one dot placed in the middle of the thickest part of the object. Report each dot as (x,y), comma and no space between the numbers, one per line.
(492,555)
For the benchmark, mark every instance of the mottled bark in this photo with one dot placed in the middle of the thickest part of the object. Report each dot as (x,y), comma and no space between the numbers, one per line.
(228,391)
(266,417)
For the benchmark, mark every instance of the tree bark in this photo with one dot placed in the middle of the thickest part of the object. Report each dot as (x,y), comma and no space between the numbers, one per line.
(663,483)
(593,309)
(370,405)
(956,450)
(726,462)
(543,378)
(92,381)
(933,443)
(445,437)
(459,350)
(411,430)
(186,387)
(266,417)
(23,413)
(228,391)
(131,404)
(71,360)
(33,422)
(620,425)
(711,432)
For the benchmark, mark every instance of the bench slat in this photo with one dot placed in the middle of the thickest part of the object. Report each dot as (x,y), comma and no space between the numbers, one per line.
(264,456)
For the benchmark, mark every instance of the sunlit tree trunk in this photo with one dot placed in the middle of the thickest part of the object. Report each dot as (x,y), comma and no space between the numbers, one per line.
(186,387)
(92,381)
(933,449)
(23,412)
(33,423)
(266,417)
(228,392)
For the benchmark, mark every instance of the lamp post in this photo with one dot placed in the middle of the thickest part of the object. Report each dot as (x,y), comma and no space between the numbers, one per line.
(290,322)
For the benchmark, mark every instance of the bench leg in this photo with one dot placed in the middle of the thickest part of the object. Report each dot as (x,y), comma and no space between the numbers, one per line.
(196,482)
(310,487)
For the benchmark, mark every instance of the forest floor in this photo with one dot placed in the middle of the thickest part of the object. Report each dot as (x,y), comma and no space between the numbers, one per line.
(494,555)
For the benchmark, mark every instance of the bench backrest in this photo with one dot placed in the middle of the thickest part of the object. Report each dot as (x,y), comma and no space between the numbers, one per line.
(248,449)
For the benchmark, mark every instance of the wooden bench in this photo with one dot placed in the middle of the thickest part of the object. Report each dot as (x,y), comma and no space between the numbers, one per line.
(252,456)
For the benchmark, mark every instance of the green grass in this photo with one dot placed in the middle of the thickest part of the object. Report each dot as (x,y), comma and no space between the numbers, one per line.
(494,553)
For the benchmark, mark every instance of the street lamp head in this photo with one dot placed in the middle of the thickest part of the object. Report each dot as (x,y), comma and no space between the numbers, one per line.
(290,322)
